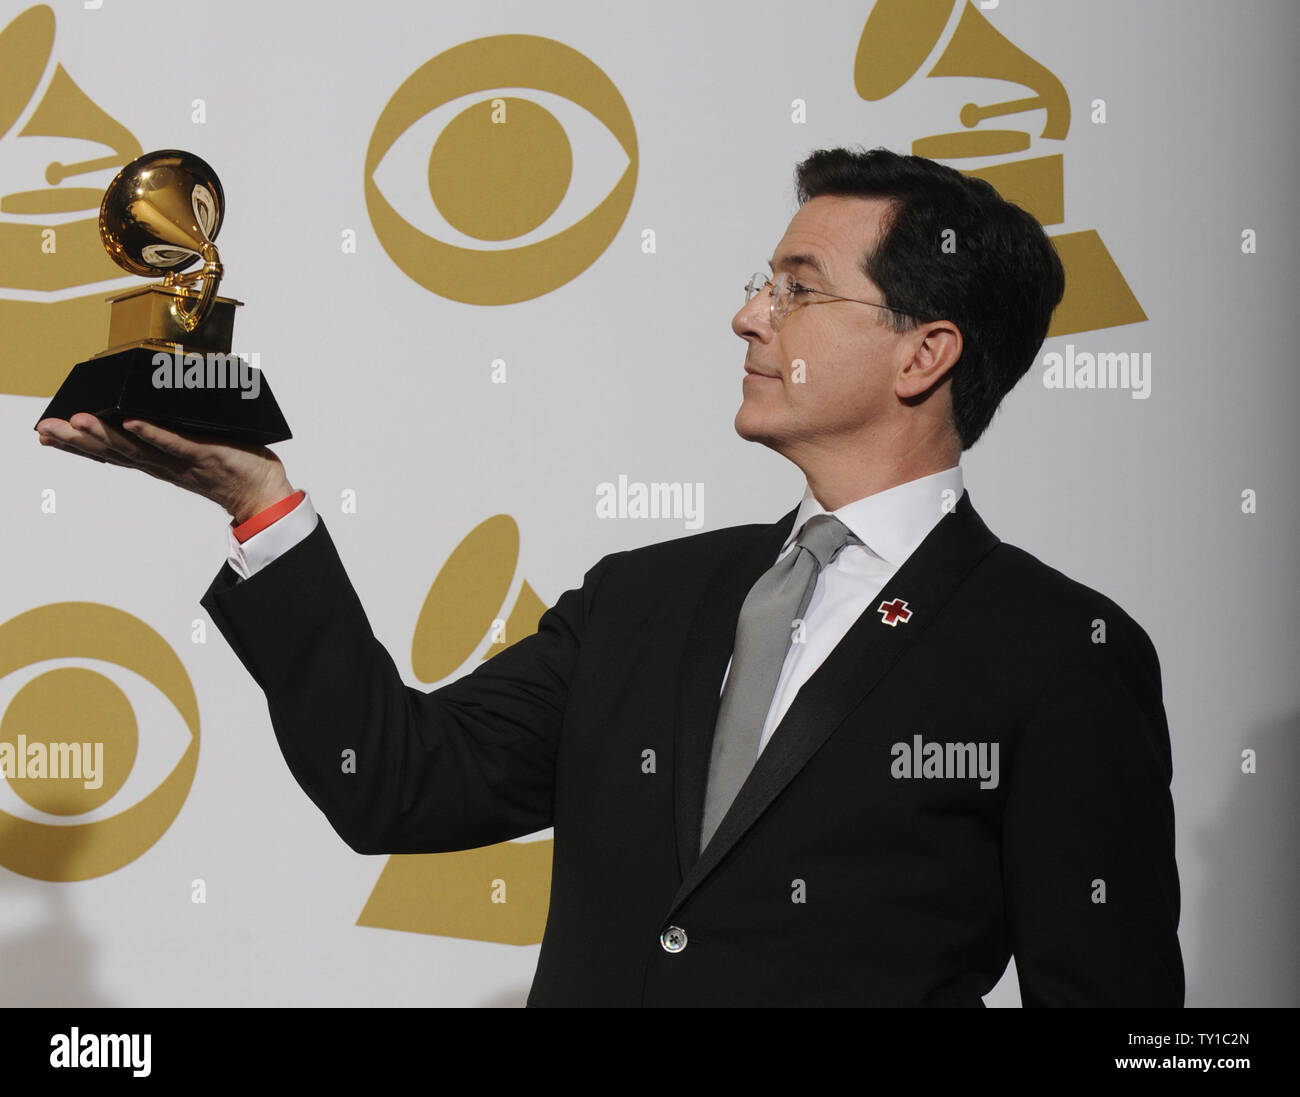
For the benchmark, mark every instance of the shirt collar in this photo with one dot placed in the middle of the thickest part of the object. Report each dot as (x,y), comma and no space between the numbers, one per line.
(893,522)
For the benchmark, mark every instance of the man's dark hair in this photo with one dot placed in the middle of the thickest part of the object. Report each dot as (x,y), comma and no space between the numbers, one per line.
(998,284)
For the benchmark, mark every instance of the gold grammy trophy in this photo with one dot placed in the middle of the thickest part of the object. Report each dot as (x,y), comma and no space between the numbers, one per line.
(168,358)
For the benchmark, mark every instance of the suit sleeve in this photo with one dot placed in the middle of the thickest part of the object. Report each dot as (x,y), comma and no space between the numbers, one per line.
(465,765)
(1090,879)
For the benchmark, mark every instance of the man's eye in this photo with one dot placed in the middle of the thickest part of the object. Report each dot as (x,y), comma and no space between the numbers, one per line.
(799,287)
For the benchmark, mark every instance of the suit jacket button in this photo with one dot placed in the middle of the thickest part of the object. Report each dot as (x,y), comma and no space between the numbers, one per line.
(673,939)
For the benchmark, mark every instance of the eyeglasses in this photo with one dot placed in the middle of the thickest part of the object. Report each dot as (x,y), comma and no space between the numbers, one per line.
(786,293)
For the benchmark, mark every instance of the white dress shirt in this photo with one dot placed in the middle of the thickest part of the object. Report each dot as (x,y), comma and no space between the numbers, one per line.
(890,525)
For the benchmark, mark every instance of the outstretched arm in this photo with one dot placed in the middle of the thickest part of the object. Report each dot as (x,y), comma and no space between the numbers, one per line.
(395,769)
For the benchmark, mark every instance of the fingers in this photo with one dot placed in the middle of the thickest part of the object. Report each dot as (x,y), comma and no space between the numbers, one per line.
(88,436)
(114,442)
(191,447)
(176,445)
(54,443)
(61,434)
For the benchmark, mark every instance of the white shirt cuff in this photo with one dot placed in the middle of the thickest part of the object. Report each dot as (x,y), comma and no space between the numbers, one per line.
(279,537)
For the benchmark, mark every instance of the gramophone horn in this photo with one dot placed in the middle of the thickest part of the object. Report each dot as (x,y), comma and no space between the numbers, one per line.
(900,34)
(467,596)
(159,215)
(64,110)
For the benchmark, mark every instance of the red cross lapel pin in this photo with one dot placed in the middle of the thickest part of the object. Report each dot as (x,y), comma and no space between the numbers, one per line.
(893,612)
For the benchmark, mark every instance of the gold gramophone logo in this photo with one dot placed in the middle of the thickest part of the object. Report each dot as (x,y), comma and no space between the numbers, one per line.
(495,893)
(898,39)
(486,196)
(49,222)
(76,717)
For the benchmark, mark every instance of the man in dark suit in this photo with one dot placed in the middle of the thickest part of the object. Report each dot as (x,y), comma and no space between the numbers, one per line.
(860,756)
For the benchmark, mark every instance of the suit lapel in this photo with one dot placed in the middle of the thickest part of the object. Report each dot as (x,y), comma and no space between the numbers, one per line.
(925,581)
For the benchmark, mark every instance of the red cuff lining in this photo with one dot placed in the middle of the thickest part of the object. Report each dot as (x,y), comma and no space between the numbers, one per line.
(267,517)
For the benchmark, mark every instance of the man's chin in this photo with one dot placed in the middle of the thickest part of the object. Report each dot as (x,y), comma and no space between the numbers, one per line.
(753,428)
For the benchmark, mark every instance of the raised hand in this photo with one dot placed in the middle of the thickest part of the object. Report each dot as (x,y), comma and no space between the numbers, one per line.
(244,479)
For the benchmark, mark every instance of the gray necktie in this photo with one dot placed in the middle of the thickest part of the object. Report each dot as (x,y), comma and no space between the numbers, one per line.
(763,635)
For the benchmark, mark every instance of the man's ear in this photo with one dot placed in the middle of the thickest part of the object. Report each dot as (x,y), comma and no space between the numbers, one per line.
(935,348)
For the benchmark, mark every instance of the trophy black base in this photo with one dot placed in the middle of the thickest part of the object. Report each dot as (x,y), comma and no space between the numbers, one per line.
(212,395)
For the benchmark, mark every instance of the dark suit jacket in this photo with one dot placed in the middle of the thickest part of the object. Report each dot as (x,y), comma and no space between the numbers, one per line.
(832,881)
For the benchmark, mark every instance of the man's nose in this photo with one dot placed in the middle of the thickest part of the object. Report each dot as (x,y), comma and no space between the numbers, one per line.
(754,320)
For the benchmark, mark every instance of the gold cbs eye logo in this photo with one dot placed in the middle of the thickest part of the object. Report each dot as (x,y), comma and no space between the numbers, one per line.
(501,170)
(69,739)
